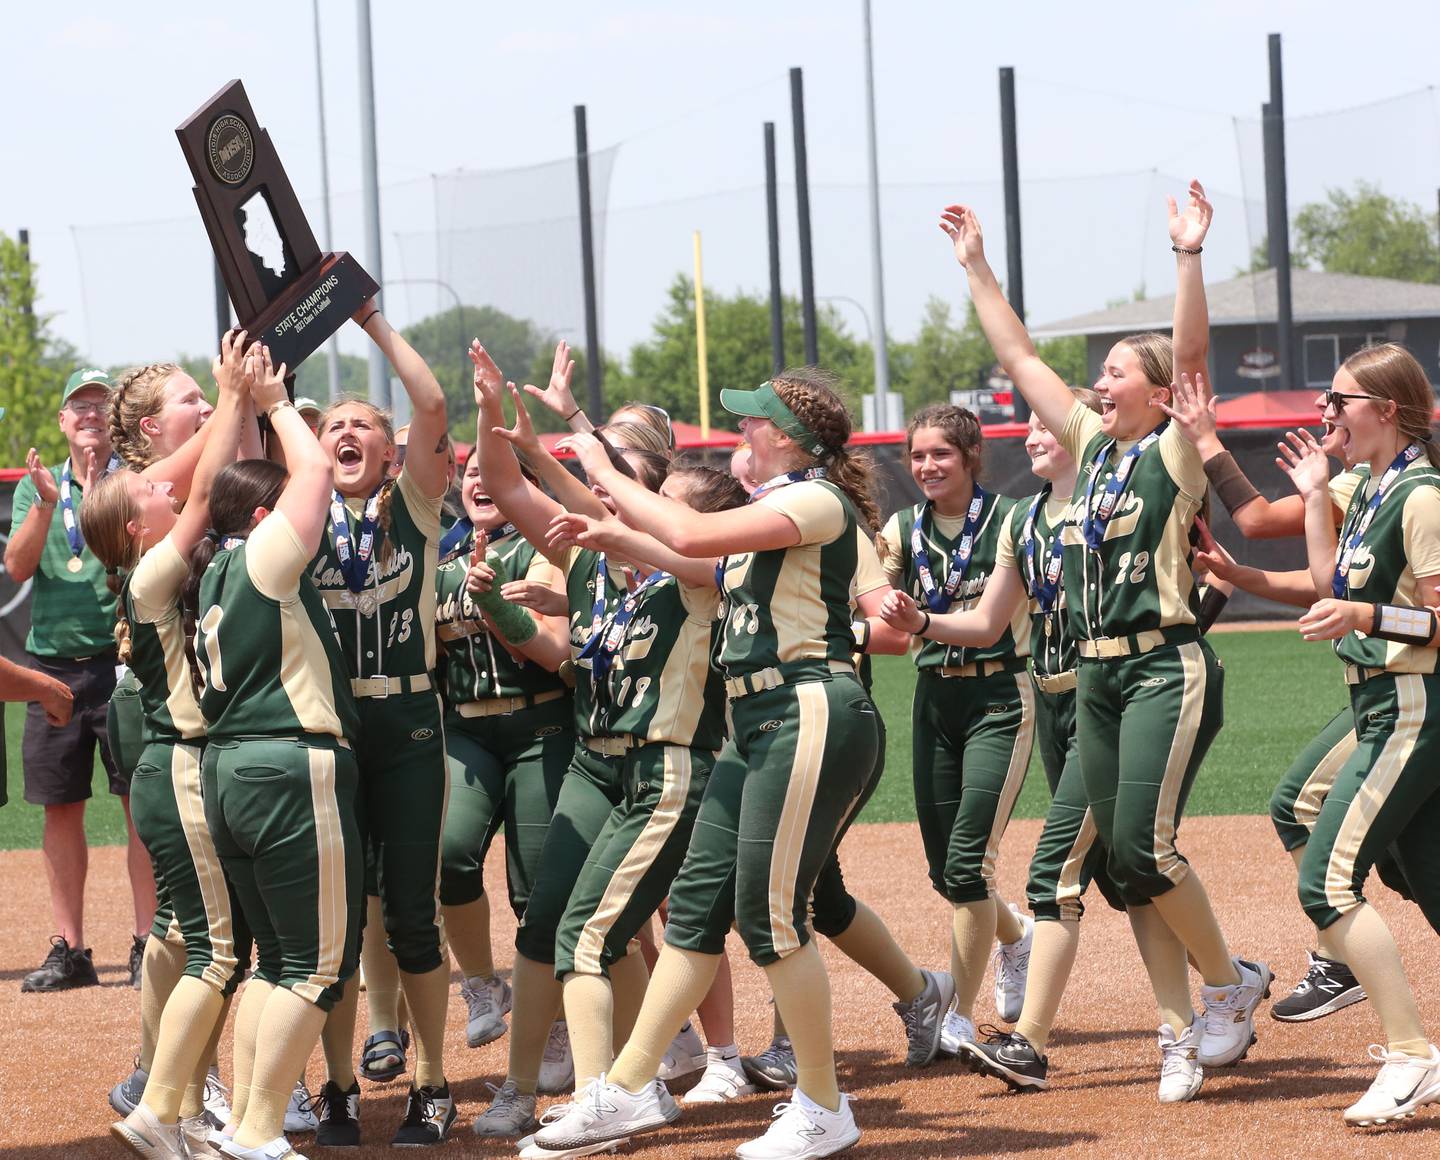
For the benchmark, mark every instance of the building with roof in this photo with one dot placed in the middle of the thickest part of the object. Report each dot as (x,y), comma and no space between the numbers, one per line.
(1334,316)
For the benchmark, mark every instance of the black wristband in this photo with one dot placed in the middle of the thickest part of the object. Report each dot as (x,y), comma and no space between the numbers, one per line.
(1212,604)
(1403,624)
(860,633)
(1229,482)
(1183,250)
(924,628)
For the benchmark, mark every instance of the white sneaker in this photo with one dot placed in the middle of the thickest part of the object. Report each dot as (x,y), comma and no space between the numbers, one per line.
(723,1081)
(1228,1025)
(1180,1072)
(605,1112)
(953,1032)
(216,1099)
(557,1067)
(802,1128)
(1012,963)
(1404,1084)
(278,1149)
(148,1138)
(489,1001)
(510,1113)
(686,1054)
(300,1112)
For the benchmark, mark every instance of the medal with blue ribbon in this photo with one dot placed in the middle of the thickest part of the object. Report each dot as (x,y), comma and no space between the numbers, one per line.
(460,531)
(605,642)
(1097,519)
(1043,583)
(354,558)
(1345,551)
(939,598)
(72,525)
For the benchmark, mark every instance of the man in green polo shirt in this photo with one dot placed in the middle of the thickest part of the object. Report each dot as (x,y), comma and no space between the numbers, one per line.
(72,626)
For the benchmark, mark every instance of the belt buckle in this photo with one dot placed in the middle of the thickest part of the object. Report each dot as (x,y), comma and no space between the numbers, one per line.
(384,688)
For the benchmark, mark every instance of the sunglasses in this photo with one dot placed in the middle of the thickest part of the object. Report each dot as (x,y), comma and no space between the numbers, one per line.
(1337,399)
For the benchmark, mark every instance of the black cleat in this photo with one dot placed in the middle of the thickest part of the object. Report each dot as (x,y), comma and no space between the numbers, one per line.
(338,1113)
(1009,1057)
(1327,987)
(137,960)
(63,969)
(428,1116)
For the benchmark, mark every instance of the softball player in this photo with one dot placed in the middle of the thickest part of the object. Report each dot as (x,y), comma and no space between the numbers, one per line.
(802,744)
(279,780)
(131,525)
(973,716)
(376,573)
(509,734)
(1387,555)
(1146,682)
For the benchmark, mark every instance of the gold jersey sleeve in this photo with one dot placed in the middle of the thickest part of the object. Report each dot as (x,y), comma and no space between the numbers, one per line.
(1081,425)
(815,511)
(1421,522)
(1005,546)
(889,548)
(869,575)
(275,558)
(1183,462)
(1342,490)
(424,509)
(156,582)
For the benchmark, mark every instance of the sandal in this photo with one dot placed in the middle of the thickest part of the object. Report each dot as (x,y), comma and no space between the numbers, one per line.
(380,1047)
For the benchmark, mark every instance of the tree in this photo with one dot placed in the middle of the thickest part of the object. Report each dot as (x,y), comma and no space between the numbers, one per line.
(1066,357)
(33,364)
(943,357)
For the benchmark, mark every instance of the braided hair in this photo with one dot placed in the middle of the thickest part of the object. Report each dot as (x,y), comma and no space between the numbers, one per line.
(811,394)
(138,394)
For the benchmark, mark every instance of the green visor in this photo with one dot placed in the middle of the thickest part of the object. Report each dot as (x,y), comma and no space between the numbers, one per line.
(764,403)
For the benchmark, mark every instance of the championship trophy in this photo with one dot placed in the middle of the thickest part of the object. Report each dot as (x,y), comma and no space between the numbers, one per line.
(286,293)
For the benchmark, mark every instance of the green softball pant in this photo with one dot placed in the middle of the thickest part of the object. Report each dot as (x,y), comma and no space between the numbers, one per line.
(1386,797)
(594,784)
(168,808)
(1069,854)
(504,770)
(404,785)
(635,857)
(283,815)
(1144,724)
(785,783)
(971,739)
(832,906)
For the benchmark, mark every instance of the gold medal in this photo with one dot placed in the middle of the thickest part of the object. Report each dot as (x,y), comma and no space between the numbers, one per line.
(73,564)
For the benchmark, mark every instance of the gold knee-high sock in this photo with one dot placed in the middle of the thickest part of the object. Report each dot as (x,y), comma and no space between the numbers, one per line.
(1369,950)
(427,996)
(288,1031)
(1324,939)
(164,963)
(1052,957)
(868,942)
(382,973)
(629,978)
(777,1022)
(1186,910)
(536,1002)
(185,1029)
(974,931)
(247,1027)
(194,1102)
(589,1016)
(1165,963)
(337,1039)
(802,992)
(467,928)
(716,1010)
(677,985)
(1008,927)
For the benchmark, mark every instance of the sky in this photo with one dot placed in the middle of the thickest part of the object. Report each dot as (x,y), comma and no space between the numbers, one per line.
(1118,104)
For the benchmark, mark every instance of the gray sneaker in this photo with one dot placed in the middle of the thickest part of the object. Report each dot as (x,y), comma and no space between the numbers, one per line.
(125,1095)
(557,1065)
(510,1113)
(924,1017)
(488,1001)
(300,1112)
(773,1070)
(217,1099)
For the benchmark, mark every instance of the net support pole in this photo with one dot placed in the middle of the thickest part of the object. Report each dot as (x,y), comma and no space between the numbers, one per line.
(877,270)
(594,370)
(379,377)
(802,205)
(24,237)
(1277,215)
(702,365)
(332,348)
(1014,261)
(772,222)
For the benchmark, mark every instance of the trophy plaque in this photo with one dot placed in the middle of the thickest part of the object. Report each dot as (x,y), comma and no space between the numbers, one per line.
(286,293)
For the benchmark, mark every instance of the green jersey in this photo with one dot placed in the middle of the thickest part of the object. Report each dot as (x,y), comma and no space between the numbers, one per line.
(1052,647)
(661,685)
(157,645)
(1139,578)
(265,641)
(1401,545)
(476,666)
(940,535)
(794,604)
(387,629)
(582,570)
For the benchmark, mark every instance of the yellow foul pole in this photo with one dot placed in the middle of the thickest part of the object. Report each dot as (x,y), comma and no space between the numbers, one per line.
(703,376)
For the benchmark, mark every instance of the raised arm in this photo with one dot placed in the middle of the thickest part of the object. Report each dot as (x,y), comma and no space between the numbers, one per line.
(609,535)
(225,427)
(31,526)
(1046,392)
(305,502)
(557,396)
(426,456)
(571,493)
(1191,334)
(1303,459)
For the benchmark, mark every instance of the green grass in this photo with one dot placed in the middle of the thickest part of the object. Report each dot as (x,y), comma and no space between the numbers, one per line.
(21,823)
(1279,692)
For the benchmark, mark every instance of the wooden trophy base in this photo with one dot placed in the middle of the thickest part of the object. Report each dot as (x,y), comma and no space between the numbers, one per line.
(314,307)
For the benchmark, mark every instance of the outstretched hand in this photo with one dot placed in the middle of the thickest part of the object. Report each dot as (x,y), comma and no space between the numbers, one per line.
(963,228)
(1192,406)
(535,596)
(479,576)
(899,610)
(1189,226)
(589,451)
(45,486)
(267,382)
(1303,460)
(488,379)
(557,396)
(1330,619)
(1211,558)
(522,436)
(228,367)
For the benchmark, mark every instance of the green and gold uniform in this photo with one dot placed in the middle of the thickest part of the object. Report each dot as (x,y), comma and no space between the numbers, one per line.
(509,733)
(281,785)
(1149,699)
(387,632)
(802,742)
(662,706)
(1385,793)
(594,783)
(973,716)
(1068,855)
(166,801)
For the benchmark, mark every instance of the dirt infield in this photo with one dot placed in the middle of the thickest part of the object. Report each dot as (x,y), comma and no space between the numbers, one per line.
(61,1053)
